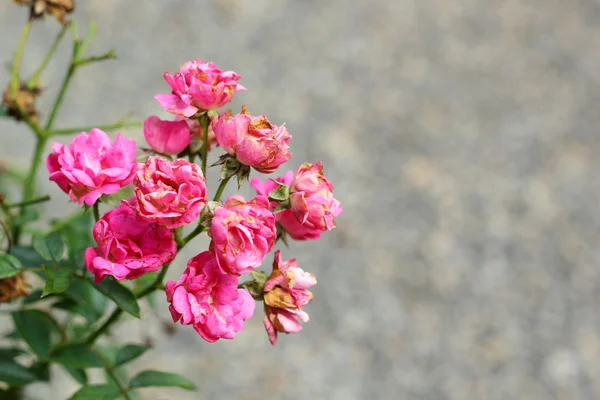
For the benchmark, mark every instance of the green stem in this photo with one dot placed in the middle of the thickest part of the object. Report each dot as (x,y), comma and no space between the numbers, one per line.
(177,236)
(29,190)
(60,96)
(221,188)
(107,127)
(29,202)
(14,76)
(95,207)
(111,320)
(199,229)
(34,81)
(204,121)
(111,373)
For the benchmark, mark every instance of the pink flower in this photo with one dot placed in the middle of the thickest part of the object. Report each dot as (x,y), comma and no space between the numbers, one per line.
(242,234)
(209,300)
(198,86)
(166,137)
(311,198)
(254,141)
(285,218)
(128,245)
(92,165)
(169,193)
(285,294)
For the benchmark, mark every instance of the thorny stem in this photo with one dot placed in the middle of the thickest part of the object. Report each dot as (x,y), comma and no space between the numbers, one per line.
(61,94)
(29,202)
(204,121)
(34,81)
(199,229)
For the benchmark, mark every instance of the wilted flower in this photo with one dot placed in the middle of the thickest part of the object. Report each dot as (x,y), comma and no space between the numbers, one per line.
(13,287)
(311,198)
(169,193)
(25,100)
(285,293)
(198,86)
(253,141)
(284,218)
(58,8)
(128,245)
(209,300)
(92,165)
(242,234)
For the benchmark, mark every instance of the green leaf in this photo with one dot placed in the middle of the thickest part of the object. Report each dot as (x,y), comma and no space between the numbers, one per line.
(8,353)
(282,193)
(96,392)
(50,247)
(78,236)
(159,378)
(58,280)
(130,352)
(15,374)
(76,356)
(77,308)
(28,256)
(41,369)
(9,266)
(78,374)
(36,327)
(121,295)
(86,295)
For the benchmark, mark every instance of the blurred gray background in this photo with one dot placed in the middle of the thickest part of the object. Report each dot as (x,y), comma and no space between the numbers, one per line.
(461,137)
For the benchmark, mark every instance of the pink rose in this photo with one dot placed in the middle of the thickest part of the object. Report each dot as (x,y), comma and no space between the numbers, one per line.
(284,295)
(311,198)
(253,141)
(128,245)
(169,193)
(242,234)
(198,86)
(285,219)
(92,165)
(166,137)
(209,300)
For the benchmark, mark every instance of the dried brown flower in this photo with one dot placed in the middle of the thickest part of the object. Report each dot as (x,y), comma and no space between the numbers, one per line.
(26,98)
(58,8)
(13,287)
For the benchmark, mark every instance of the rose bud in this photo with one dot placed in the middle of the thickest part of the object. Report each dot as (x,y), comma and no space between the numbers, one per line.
(166,137)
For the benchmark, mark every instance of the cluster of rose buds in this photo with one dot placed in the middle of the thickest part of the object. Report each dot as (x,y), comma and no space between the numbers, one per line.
(143,234)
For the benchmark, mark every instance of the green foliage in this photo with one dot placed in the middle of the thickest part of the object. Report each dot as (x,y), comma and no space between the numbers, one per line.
(129,352)
(37,329)
(122,296)
(58,279)
(76,356)
(15,374)
(50,247)
(158,378)
(96,392)
(9,266)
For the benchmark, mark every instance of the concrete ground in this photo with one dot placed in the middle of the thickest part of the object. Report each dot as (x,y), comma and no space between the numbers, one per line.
(461,137)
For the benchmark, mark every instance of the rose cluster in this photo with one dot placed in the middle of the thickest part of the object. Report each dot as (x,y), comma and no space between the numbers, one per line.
(143,233)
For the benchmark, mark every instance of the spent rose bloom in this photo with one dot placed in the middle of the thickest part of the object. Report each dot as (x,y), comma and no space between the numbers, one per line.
(92,165)
(209,300)
(169,193)
(128,245)
(166,137)
(285,219)
(311,198)
(285,293)
(198,86)
(242,234)
(253,141)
